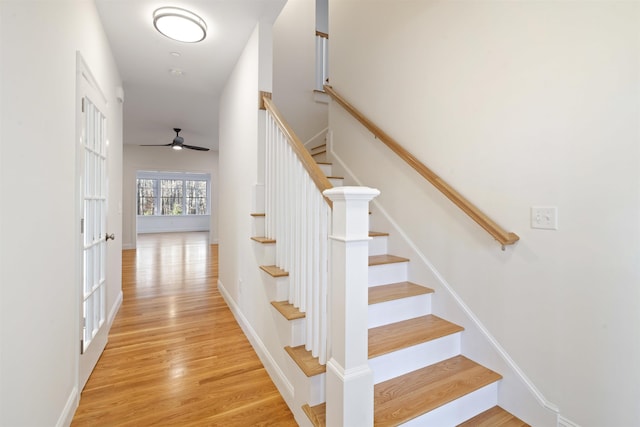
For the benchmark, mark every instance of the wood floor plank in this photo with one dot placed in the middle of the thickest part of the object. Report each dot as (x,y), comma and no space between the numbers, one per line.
(176,356)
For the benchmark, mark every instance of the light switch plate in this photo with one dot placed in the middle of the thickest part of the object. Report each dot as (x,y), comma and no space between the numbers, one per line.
(544,217)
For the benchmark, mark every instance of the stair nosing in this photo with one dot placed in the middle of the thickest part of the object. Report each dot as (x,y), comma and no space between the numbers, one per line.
(408,333)
(396,291)
(433,384)
(386,259)
(262,239)
(288,310)
(316,414)
(488,419)
(274,271)
(305,361)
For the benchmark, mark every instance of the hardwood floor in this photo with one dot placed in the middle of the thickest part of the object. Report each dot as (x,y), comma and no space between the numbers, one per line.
(176,355)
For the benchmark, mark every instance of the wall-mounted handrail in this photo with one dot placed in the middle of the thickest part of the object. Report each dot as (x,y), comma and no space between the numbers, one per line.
(307,161)
(501,235)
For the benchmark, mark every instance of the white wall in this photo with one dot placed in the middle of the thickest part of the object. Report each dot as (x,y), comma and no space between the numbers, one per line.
(294,56)
(163,159)
(40,293)
(515,104)
(240,280)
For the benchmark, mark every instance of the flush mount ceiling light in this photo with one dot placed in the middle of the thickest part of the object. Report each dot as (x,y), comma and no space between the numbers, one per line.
(179,24)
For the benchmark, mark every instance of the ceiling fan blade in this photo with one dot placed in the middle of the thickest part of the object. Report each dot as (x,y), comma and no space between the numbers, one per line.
(156,145)
(193,147)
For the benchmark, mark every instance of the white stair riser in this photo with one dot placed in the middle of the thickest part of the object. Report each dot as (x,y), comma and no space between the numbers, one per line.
(387,273)
(265,253)
(319,157)
(277,288)
(409,359)
(258,226)
(326,169)
(309,390)
(336,182)
(459,410)
(291,332)
(388,312)
(378,245)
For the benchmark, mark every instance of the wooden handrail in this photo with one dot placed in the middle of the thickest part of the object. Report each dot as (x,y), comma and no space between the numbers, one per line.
(312,168)
(501,235)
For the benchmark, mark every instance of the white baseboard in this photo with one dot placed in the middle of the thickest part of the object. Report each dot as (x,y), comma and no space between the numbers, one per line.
(128,246)
(114,310)
(563,422)
(278,377)
(69,409)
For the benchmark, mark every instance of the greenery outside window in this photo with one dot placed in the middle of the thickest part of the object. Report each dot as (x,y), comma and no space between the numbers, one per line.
(172,193)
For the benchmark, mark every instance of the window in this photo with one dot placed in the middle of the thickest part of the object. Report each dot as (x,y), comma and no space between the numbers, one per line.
(146,197)
(172,193)
(196,197)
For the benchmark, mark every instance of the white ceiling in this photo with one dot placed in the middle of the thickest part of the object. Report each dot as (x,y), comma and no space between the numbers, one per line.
(156,101)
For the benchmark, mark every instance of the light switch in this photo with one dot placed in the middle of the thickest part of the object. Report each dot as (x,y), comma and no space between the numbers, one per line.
(544,217)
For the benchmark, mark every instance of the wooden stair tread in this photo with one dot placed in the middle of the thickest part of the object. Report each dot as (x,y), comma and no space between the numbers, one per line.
(274,270)
(258,214)
(318,153)
(388,338)
(385,259)
(264,240)
(325,163)
(317,414)
(404,398)
(494,417)
(335,177)
(377,234)
(394,291)
(305,360)
(288,310)
(324,144)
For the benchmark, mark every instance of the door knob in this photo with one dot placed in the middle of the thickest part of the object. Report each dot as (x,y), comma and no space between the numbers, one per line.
(108,236)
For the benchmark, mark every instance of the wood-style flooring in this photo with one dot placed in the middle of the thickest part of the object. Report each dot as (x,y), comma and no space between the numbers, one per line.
(176,355)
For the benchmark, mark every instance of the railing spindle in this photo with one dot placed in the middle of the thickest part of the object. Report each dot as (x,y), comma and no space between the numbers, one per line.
(297,218)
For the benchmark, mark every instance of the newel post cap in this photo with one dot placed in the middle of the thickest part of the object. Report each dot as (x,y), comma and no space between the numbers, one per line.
(351,193)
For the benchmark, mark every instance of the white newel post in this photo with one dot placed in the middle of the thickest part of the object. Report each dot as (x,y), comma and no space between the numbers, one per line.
(349,380)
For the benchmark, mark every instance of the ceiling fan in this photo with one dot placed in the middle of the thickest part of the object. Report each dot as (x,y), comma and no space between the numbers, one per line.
(178,143)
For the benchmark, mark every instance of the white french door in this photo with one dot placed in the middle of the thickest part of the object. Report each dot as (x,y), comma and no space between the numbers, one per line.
(92,156)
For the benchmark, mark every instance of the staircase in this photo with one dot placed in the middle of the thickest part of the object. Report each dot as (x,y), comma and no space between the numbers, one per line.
(420,376)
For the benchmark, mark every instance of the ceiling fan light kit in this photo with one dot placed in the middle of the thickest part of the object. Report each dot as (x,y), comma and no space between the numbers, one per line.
(179,24)
(177,143)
